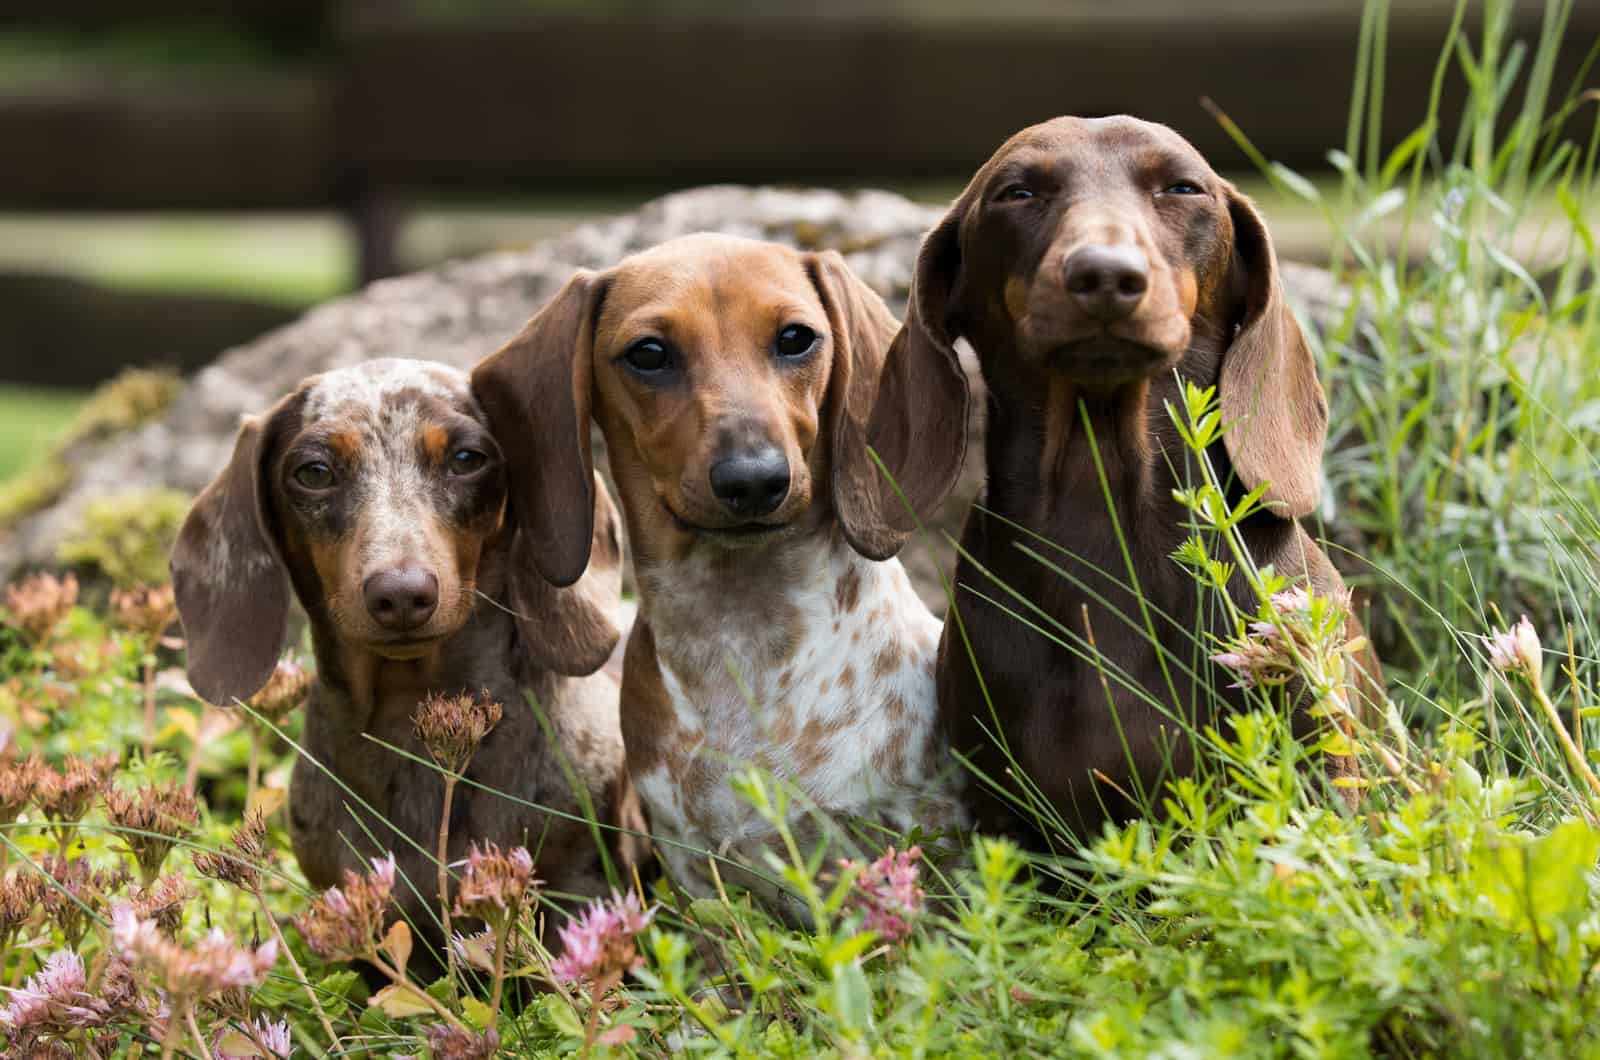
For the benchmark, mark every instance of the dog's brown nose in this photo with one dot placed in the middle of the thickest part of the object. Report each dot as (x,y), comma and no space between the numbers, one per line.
(751,484)
(1108,282)
(401,600)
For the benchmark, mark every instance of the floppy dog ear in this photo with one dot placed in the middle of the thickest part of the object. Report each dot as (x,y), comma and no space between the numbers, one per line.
(228,575)
(535,391)
(571,630)
(902,392)
(1269,386)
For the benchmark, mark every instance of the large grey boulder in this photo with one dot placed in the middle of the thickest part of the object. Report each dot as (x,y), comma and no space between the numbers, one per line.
(461,311)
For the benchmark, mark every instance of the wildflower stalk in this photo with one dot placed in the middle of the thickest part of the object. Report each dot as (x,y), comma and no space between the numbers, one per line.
(194,1031)
(444,884)
(147,686)
(1574,755)
(252,776)
(294,965)
(403,981)
(502,940)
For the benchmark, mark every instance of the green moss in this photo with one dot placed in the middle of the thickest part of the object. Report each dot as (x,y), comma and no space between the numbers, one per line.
(136,396)
(128,537)
(33,489)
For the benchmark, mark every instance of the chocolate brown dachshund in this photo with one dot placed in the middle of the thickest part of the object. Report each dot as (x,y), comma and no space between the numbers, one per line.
(1094,264)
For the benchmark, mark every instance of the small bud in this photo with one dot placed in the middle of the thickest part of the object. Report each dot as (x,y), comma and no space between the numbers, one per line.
(1517,650)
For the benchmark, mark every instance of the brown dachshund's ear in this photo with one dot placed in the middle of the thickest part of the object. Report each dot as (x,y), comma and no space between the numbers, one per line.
(572,630)
(227,572)
(535,392)
(900,391)
(1269,386)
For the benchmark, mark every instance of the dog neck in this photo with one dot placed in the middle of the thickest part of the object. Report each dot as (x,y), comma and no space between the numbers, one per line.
(1063,454)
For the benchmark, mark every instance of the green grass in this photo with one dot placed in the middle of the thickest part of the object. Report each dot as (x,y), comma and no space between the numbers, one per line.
(31,419)
(1249,914)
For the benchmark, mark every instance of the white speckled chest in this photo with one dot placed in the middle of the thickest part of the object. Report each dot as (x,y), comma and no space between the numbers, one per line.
(828,685)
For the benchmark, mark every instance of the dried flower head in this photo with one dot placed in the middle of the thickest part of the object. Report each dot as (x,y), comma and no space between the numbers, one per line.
(39,603)
(75,891)
(152,819)
(885,892)
(453,1043)
(212,964)
(495,883)
(253,1041)
(1517,650)
(163,902)
(285,690)
(597,945)
(242,865)
(66,796)
(344,923)
(18,780)
(20,891)
(147,610)
(452,727)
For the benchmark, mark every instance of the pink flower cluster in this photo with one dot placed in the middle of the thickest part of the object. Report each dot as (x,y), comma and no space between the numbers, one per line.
(213,964)
(886,893)
(231,1043)
(598,943)
(344,923)
(48,996)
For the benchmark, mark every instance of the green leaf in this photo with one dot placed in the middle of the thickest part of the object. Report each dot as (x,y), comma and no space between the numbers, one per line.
(852,998)
(479,1014)
(398,1001)
(1532,885)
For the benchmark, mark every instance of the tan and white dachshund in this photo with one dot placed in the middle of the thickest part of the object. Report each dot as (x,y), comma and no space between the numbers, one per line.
(734,382)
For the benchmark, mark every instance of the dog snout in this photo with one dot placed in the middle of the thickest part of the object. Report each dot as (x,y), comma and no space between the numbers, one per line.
(401,600)
(753,483)
(1108,281)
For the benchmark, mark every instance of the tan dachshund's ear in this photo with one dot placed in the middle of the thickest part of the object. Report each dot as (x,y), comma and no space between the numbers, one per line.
(228,573)
(571,630)
(535,391)
(1269,388)
(899,391)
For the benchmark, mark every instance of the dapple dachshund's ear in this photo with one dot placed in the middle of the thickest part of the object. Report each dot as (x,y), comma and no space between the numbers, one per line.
(227,571)
(899,391)
(571,630)
(535,391)
(1269,386)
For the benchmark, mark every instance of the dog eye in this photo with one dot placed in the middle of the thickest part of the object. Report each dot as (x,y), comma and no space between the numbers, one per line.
(648,355)
(1183,187)
(466,461)
(1015,193)
(795,340)
(314,476)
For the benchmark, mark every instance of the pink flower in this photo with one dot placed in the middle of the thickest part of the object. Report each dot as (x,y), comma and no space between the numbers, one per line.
(274,1037)
(1517,650)
(46,995)
(495,882)
(886,893)
(211,965)
(346,922)
(598,943)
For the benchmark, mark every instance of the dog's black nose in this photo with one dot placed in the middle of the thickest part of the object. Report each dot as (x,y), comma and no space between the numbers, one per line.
(1108,282)
(401,600)
(751,484)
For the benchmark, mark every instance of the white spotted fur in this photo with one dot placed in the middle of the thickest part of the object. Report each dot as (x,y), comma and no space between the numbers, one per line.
(870,765)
